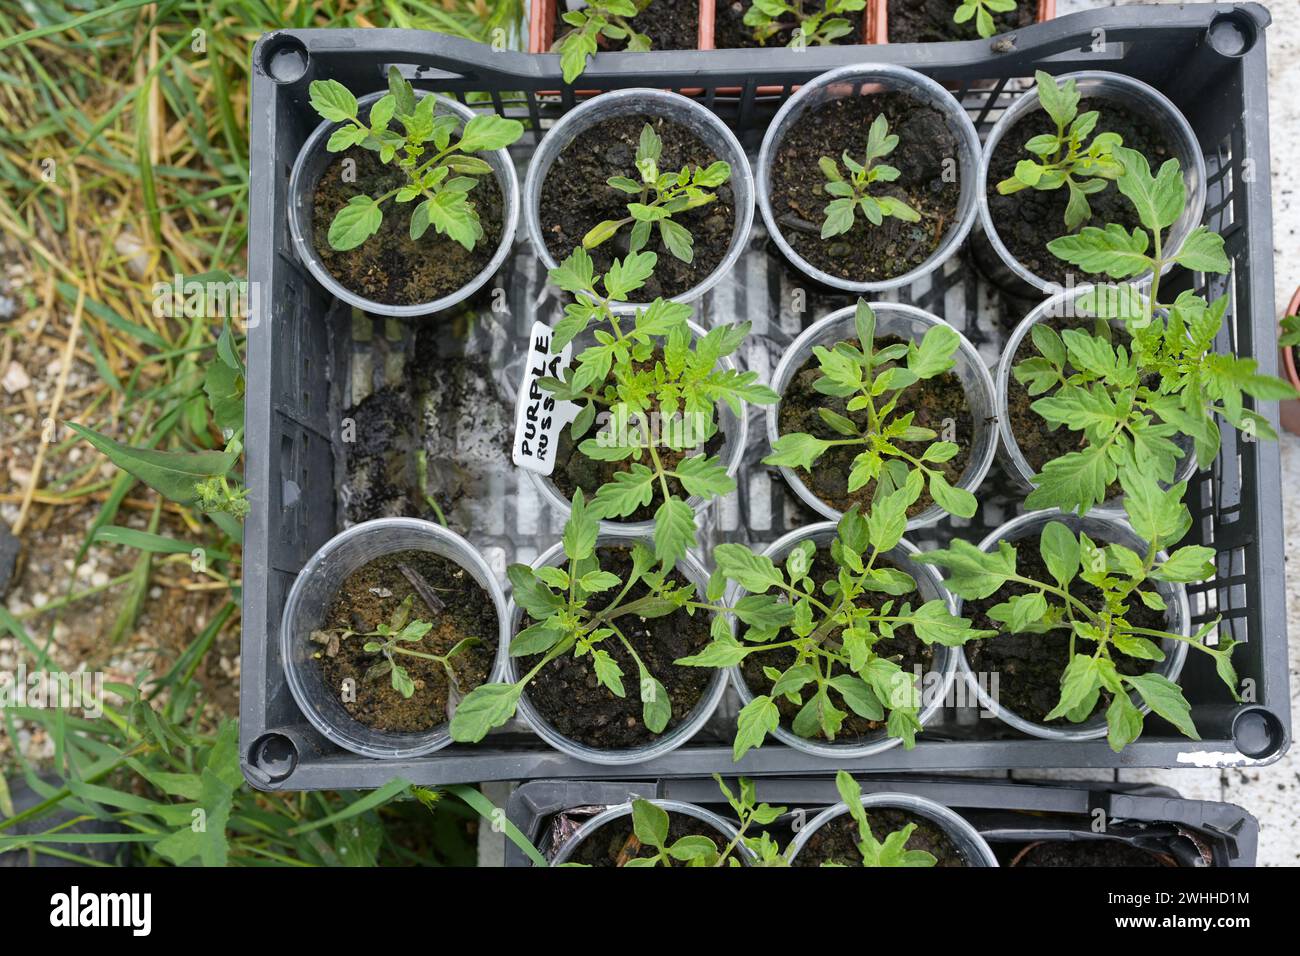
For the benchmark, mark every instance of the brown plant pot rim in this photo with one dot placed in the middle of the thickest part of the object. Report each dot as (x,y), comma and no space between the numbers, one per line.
(1289,411)
(1288,354)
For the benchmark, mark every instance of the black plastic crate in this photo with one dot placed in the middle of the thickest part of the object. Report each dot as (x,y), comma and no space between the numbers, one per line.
(1010,816)
(311,361)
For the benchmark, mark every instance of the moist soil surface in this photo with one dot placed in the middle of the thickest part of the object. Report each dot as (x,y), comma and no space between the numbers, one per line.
(568,697)
(390,267)
(670,25)
(730,32)
(904,648)
(837,841)
(1029,666)
(615,841)
(1028,220)
(576,196)
(867,253)
(930,21)
(934,401)
(1037,440)
(369,597)
(1088,853)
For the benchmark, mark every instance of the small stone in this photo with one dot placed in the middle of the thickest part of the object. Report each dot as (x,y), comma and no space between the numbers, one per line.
(16,378)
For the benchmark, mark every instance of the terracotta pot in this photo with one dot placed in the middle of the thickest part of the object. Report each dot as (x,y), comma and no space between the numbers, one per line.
(712,25)
(541,25)
(877,21)
(762,90)
(1290,409)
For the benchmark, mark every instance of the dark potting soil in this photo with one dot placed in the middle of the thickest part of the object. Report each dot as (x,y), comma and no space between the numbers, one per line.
(369,597)
(1028,220)
(1088,853)
(576,196)
(904,648)
(615,841)
(837,841)
(930,21)
(730,32)
(866,252)
(567,695)
(390,267)
(1029,666)
(670,25)
(934,401)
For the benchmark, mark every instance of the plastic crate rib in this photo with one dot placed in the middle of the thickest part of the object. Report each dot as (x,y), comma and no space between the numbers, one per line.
(311,362)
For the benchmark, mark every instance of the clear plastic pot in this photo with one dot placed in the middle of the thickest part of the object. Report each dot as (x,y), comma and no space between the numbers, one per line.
(910,324)
(313,160)
(1128,92)
(726,831)
(700,121)
(864,80)
(1103,529)
(1013,460)
(672,738)
(735,432)
(929,587)
(973,847)
(314,590)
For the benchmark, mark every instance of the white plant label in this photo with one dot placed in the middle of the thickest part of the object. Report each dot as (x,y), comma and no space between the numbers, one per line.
(539,415)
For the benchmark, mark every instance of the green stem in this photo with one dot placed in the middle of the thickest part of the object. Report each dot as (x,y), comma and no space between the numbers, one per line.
(1065,595)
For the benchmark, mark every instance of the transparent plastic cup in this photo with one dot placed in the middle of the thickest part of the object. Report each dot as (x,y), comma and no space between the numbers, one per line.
(701,122)
(313,160)
(1103,529)
(309,600)
(973,847)
(929,587)
(1138,97)
(667,742)
(862,80)
(910,324)
(726,831)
